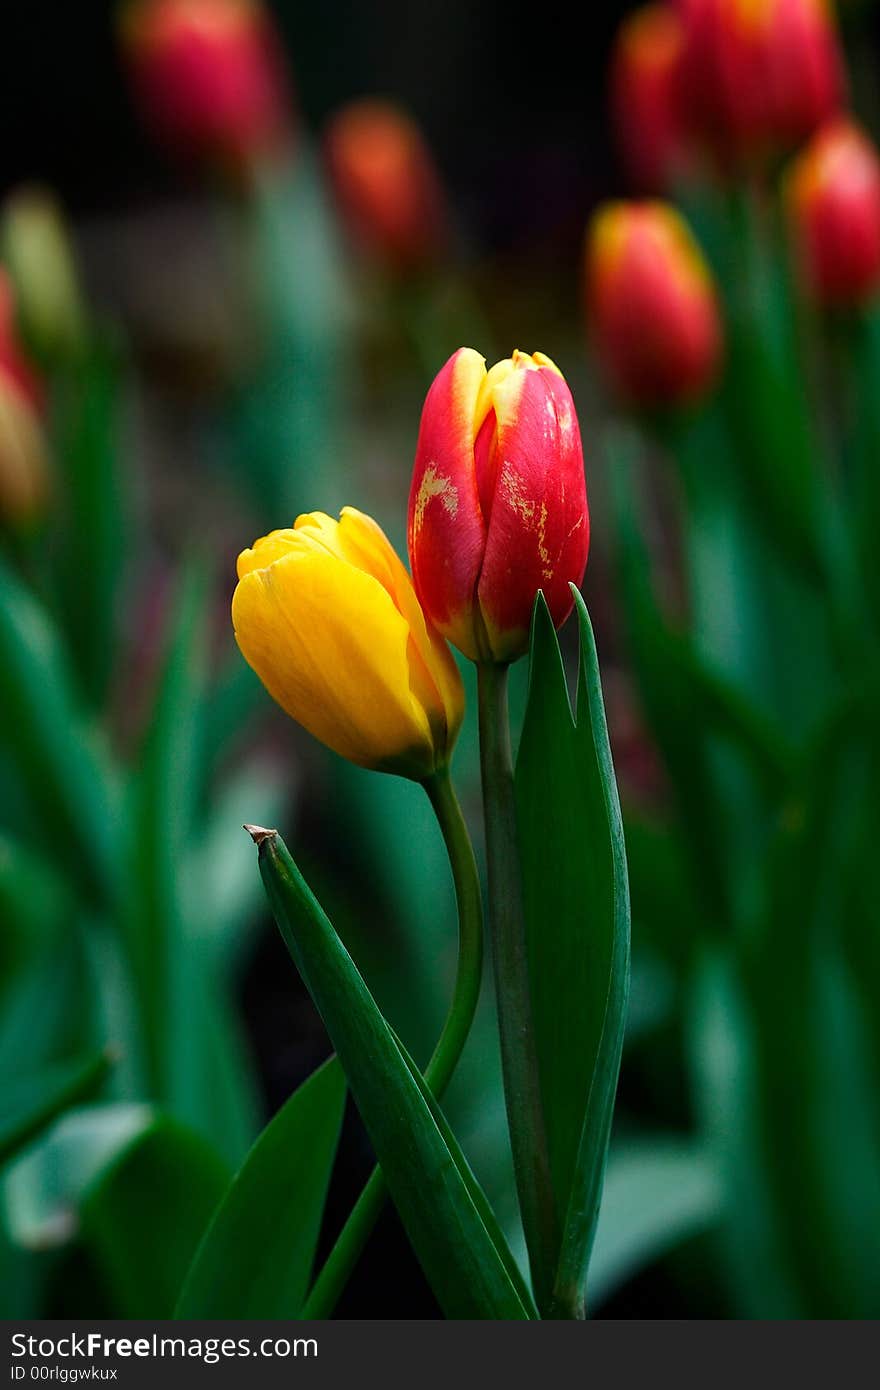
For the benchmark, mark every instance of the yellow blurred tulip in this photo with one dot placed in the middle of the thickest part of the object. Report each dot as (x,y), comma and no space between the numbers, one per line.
(327,616)
(24,463)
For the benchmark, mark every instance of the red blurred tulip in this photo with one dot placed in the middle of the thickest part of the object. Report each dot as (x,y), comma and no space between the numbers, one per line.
(386,182)
(652,304)
(498,504)
(208,76)
(833,195)
(758,76)
(14,365)
(646,97)
(24,472)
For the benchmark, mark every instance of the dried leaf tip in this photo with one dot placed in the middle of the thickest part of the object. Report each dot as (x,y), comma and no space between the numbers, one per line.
(259,834)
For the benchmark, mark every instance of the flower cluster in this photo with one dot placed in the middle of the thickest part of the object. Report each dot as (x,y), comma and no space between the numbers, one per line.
(327,616)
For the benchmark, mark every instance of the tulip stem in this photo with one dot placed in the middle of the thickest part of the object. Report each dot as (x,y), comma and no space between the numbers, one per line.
(350,1243)
(525,1112)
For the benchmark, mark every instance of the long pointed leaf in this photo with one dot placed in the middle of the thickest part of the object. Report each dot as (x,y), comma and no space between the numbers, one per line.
(577,916)
(53,746)
(256,1257)
(441,1218)
(198,1067)
(477,1194)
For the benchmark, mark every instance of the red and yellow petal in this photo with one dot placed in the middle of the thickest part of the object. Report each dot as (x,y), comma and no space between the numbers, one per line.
(446,527)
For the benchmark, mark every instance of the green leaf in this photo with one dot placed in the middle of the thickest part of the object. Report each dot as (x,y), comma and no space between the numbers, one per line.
(728,763)
(725,1083)
(54,748)
(35,905)
(476,1193)
(863,447)
(45,1185)
(441,1218)
(658,1193)
(161,816)
(198,1065)
(255,1260)
(92,548)
(143,1220)
(817,1069)
(32,1103)
(577,922)
(46,1007)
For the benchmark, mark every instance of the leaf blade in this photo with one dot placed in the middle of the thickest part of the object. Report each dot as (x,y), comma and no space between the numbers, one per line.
(573,855)
(256,1257)
(146,1214)
(440,1217)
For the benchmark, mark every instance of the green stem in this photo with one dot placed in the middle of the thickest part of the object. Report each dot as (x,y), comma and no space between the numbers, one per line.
(353,1237)
(525,1114)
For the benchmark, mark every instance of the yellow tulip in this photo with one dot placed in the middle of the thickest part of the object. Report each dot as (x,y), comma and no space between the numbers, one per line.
(328,618)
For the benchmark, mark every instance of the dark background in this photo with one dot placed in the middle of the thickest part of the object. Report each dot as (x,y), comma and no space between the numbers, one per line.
(493,85)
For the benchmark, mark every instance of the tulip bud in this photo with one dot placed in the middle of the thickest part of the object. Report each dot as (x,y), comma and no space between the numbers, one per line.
(759,76)
(498,504)
(24,469)
(208,76)
(645,97)
(833,196)
(37,250)
(386,182)
(327,616)
(652,304)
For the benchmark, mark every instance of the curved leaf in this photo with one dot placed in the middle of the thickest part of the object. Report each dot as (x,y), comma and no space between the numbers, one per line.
(143,1219)
(437,1208)
(255,1260)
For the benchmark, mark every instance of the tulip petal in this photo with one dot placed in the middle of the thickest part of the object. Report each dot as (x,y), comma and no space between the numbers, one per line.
(446,527)
(329,644)
(539,528)
(433,670)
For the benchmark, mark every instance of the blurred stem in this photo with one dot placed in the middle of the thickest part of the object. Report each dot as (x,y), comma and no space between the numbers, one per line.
(354,1235)
(437,313)
(525,1114)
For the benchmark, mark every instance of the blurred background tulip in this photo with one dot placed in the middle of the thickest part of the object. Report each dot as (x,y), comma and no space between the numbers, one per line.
(37,251)
(384,178)
(759,77)
(24,467)
(834,203)
(647,100)
(208,76)
(652,305)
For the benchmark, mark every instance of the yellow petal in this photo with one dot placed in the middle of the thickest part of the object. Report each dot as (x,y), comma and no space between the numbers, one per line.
(266,550)
(438,684)
(329,644)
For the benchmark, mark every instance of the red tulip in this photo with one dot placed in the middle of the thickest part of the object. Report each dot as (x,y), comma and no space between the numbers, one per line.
(646,97)
(208,75)
(758,76)
(652,304)
(833,195)
(15,367)
(386,182)
(24,471)
(498,504)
